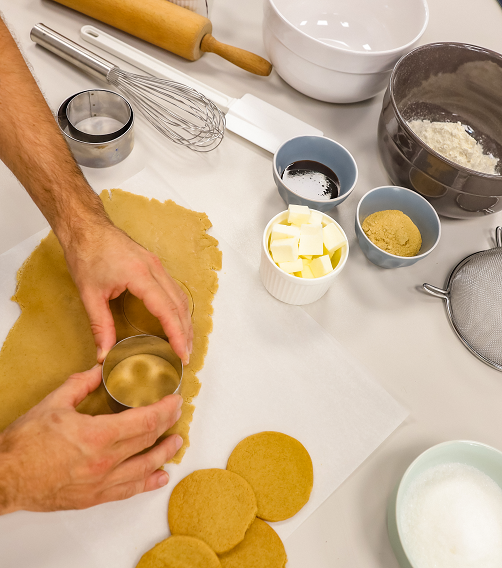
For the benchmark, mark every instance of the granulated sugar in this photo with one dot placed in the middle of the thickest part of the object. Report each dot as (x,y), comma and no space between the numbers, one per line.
(452,518)
(451,140)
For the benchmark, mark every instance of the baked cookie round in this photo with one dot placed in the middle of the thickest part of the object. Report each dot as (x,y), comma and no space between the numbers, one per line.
(214,505)
(279,470)
(261,548)
(180,552)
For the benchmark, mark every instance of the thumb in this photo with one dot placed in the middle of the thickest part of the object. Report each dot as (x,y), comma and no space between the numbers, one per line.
(73,391)
(102,324)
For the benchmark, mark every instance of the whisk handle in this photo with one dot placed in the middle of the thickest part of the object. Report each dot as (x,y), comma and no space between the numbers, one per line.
(240,57)
(66,49)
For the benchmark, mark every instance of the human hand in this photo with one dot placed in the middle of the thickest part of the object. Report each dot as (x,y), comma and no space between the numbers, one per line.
(106,263)
(55,458)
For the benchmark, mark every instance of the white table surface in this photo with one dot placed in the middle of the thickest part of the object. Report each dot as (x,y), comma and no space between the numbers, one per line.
(379,316)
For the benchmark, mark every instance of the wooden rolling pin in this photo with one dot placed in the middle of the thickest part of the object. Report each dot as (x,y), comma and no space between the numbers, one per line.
(169,26)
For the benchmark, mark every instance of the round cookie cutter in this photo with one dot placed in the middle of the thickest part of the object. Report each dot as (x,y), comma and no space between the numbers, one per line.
(141,319)
(138,345)
(98,127)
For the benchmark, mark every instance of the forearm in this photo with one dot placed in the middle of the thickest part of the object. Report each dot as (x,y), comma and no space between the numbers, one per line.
(34,149)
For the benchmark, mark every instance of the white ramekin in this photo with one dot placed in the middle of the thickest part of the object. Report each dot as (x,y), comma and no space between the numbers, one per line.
(291,289)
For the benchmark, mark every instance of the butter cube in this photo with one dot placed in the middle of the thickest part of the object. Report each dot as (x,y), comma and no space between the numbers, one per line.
(289,267)
(307,272)
(305,261)
(298,214)
(311,240)
(333,238)
(315,217)
(284,232)
(284,250)
(321,266)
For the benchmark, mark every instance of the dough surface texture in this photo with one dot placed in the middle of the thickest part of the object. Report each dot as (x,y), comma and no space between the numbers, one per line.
(215,505)
(261,548)
(180,552)
(52,338)
(279,470)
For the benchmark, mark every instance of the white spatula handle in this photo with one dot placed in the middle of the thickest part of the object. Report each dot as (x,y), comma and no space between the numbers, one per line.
(151,65)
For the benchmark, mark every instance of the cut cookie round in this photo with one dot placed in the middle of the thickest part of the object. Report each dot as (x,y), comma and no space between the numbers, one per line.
(215,505)
(279,470)
(261,548)
(180,552)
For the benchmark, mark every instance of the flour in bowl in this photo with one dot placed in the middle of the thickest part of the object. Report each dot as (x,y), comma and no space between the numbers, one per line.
(451,140)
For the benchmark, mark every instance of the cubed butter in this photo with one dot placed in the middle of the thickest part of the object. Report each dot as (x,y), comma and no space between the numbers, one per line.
(284,232)
(289,267)
(333,238)
(298,214)
(315,217)
(284,250)
(321,266)
(307,272)
(307,256)
(311,240)
(305,261)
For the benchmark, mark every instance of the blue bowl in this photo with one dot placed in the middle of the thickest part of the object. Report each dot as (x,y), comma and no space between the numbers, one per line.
(410,203)
(317,149)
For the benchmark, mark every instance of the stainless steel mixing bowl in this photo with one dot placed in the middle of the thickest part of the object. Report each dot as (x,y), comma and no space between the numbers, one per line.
(444,82)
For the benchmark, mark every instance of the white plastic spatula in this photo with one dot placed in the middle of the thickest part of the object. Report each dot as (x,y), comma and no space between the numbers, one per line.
(249,117)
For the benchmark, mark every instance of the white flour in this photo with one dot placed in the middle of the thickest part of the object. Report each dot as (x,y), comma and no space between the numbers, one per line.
(451,140)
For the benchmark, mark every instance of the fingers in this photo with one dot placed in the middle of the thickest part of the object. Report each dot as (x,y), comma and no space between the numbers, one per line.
(141,473)
(140,427)
(101,320)
(162,306)
(182,305)
(73,391)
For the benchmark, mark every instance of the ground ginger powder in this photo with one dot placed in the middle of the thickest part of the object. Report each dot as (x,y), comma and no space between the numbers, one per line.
(394,232)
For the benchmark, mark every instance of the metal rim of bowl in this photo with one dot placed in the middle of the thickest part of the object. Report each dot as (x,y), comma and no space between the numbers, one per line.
(337,269)
(334,202)
(412,465)
(404,124)
(388,254)
(367,53)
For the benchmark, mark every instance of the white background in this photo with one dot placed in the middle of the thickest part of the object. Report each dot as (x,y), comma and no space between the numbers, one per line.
(379,316)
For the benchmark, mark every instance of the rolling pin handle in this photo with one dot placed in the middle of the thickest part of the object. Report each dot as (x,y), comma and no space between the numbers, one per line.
(240,57)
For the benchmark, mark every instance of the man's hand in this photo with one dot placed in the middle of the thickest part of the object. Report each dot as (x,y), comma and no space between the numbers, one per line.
(105,262)
(55,458)
(102,260)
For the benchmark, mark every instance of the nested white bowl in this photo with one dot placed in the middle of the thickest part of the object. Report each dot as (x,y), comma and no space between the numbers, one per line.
(342,52)
(287,287)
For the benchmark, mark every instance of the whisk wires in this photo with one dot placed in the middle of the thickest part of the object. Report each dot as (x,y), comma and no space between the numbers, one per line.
(177,111)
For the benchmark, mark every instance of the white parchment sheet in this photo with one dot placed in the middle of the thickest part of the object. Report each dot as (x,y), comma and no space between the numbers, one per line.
(270,366)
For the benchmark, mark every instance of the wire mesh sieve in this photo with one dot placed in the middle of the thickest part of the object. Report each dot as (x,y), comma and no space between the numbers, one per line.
(473,296)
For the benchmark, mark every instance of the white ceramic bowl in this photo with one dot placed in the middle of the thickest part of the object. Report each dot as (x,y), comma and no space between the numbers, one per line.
(341,53)
(291,289)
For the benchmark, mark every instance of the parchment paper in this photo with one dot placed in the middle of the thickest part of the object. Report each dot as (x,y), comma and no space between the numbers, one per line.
(270,366)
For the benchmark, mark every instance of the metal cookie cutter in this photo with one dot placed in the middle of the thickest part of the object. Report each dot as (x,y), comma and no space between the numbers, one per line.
(98,127)
(140,345)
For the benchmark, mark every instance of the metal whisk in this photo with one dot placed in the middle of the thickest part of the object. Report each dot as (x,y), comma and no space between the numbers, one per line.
(177,111)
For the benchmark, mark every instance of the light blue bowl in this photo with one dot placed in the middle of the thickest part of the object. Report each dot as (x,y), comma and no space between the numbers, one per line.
(318,149)
(483,457)
(410,203)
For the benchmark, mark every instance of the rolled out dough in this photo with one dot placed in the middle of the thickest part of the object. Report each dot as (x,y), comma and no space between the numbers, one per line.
(52,338)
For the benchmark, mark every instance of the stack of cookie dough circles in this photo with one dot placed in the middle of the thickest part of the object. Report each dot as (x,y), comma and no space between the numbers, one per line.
(269,477)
